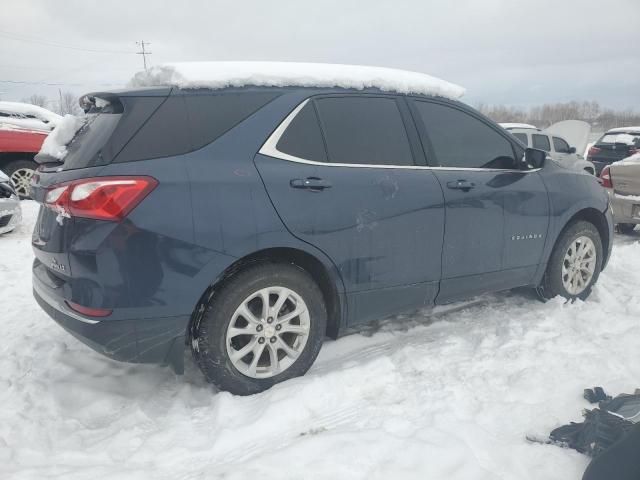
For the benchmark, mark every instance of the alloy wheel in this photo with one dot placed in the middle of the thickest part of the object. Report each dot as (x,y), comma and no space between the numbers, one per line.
(268,332)
(21,179)
(578,265)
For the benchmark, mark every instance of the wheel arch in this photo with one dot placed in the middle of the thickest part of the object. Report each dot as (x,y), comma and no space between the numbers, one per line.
(302,259)
(597,219)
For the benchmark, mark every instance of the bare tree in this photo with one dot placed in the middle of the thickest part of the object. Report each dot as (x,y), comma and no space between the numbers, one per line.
(35,99)
(68,104)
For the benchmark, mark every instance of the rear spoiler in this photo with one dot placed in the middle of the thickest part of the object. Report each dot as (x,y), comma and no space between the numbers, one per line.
(107,102)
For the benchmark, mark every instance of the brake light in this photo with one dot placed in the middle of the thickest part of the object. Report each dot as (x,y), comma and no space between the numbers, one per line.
(594,151)
(88,311)
(605,177)
(101,198)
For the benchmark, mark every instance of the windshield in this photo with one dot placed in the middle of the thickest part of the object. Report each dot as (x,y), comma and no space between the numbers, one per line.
(84,149)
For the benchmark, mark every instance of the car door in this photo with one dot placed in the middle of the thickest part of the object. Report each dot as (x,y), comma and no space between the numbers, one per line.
(496,213)
(340,171)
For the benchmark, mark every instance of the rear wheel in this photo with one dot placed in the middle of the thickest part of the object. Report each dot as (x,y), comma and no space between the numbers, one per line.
(625,227)
(20,173)
(263,326)
(575,263)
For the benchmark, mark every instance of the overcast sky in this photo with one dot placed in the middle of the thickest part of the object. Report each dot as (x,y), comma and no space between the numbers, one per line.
(503,51)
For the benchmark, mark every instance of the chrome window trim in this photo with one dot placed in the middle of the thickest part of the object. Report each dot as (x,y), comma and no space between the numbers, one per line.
(269,148)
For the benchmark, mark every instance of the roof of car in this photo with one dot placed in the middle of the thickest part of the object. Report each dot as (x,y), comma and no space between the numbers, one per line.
(624,130)
(217,75)
(520,126)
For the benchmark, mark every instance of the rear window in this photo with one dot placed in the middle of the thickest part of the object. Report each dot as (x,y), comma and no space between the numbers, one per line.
(626,138)
(85,150)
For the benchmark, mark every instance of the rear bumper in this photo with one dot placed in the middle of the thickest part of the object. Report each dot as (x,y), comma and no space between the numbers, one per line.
(626,209)
(137,340)
(10,214)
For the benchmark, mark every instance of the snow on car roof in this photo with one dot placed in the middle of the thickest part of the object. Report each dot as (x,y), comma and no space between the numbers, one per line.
(624,130)
(285,74)
(26,110)
(509,126)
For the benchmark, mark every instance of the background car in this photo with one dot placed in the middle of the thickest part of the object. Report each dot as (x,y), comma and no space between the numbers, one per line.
(622,182)
(563,150)
(10,211)
(616,144)
(23,128)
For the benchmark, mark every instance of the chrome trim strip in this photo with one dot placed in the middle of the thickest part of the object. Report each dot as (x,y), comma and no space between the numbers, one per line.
(269,149)
(63,308)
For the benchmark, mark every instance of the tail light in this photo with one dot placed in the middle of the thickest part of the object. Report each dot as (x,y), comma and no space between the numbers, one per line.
(593,151)
(88,311)
(101,198)
(633,150)
(605,177)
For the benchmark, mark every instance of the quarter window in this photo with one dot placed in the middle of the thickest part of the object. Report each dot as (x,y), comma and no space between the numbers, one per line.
(364,130)
(540,142)
(303,138)
(560,146)
(460,140)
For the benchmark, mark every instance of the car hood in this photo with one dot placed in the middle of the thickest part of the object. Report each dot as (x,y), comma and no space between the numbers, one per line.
(575,132)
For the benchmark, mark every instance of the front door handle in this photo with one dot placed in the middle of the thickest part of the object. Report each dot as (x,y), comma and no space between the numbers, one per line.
(310,183)
(463,185)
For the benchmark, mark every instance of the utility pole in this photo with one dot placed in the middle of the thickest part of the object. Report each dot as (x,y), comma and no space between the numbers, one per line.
(143,52)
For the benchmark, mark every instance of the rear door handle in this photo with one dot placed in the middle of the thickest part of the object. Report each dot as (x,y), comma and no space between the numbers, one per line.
(461,185)
(310,183)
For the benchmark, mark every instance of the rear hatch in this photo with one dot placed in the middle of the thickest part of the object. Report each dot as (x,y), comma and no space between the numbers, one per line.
(614,146)
(111,120)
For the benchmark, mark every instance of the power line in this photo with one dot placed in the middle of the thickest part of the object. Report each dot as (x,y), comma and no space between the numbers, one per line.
(56,84)
(144,53)
(22,38)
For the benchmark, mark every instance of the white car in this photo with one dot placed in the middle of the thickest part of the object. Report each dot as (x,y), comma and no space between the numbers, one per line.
(10,212)
(561,140)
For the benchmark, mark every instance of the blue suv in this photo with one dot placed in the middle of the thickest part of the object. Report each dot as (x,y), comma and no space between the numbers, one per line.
(248,223)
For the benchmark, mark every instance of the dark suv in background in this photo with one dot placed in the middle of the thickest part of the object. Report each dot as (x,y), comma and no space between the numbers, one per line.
(249,223)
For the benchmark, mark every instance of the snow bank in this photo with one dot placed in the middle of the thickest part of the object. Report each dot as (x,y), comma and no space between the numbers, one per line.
(281,74)
(55,145)
(440,397)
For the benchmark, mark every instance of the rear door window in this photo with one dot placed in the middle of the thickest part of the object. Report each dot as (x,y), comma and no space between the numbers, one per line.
(522,137)
(540,142)
(364,130)
(462,141)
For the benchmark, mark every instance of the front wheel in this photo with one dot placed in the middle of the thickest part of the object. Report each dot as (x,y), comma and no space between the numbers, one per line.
(575,263)
(261,327)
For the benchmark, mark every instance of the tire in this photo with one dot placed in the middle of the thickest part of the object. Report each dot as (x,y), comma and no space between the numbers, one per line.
(213,343)
(625,228)
(17,171)
(556,282)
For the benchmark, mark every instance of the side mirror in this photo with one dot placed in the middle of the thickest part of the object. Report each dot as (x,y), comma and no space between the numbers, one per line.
(571,150)
(534,158)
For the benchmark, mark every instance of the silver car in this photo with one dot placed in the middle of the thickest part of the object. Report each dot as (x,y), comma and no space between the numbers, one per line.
(10,212)
(622,182)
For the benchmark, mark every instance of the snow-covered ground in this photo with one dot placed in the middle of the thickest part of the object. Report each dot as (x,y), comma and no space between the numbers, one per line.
(445,396)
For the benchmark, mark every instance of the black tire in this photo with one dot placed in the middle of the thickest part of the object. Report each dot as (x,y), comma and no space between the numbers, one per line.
(552,284)
(10,168)
(209,345)
(625,228)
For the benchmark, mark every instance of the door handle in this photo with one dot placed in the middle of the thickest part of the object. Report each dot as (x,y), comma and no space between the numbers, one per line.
(310,183)
(463,185)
